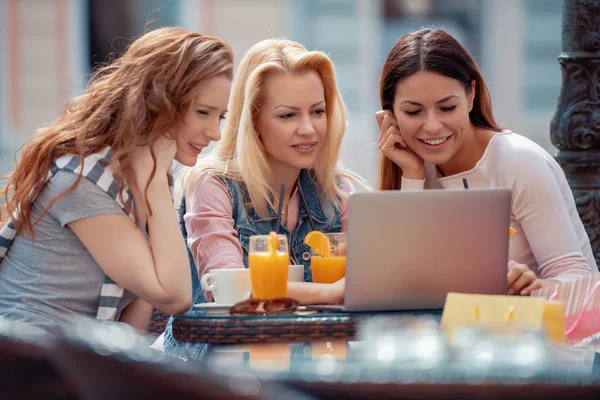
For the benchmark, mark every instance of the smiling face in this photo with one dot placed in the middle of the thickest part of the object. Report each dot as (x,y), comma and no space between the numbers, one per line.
(202,122)
(433,116)
(292,122)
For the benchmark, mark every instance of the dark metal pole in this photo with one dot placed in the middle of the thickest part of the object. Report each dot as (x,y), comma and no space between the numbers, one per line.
(575,127)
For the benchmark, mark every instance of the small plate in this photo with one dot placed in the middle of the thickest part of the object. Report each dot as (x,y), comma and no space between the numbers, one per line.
(214,308)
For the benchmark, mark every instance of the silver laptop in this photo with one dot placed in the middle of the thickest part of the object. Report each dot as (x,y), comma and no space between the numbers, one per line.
(407,250)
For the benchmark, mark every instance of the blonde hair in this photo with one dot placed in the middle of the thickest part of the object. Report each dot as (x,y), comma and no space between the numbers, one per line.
(240,155)
(130,102)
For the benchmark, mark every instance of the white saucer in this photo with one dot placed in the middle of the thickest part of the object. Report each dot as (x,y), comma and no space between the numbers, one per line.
(214,308)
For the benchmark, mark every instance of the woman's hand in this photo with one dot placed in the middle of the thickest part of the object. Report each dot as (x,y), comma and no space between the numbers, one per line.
(337,291)
(317,293)
(142,163)
(521,280)
(393,146)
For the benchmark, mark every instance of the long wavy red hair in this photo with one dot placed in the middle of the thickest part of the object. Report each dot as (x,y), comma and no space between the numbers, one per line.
(130,102)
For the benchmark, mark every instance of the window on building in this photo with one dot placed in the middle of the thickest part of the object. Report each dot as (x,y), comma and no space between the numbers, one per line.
(460,18)
(541,47)
(113,24)
(331,26)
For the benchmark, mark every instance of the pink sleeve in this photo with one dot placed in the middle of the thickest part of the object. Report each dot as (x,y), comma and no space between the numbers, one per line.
(346,186)
(212,237)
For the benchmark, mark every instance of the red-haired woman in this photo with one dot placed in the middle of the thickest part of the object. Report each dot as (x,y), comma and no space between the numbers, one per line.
(90,228)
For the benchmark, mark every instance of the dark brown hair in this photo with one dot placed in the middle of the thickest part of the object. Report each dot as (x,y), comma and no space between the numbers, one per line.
(432,50)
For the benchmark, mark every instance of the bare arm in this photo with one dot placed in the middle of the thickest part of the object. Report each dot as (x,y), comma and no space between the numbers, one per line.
(544,207)
(137,314)
(317,293)
(159,275)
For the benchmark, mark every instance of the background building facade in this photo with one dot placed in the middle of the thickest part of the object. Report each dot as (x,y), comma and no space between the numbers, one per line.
(48,49)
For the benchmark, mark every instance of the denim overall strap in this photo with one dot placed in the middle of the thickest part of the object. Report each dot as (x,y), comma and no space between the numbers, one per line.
(197,293)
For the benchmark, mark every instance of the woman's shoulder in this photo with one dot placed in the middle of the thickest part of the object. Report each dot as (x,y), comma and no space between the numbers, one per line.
(68,197)
(208,185)
(207,174)
(515,155)
(73,185)
(349,182)
(513,146)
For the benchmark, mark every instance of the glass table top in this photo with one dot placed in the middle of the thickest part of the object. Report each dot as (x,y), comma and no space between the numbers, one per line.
(416,350)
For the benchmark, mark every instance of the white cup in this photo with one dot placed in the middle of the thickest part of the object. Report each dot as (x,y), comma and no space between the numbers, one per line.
(296,273)
(228,286)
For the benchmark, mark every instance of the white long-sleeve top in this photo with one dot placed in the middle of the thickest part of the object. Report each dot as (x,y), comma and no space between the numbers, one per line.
(550,237)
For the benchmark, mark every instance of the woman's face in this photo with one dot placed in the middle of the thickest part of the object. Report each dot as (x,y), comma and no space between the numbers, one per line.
(202,122)
(292,122)
(432,111)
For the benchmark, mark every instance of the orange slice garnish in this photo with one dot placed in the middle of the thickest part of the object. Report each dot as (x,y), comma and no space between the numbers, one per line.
(319,242)
(273,243)
(511,231)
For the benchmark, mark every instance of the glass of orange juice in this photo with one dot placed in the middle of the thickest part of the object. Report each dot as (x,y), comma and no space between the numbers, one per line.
(268,266)
(332,267)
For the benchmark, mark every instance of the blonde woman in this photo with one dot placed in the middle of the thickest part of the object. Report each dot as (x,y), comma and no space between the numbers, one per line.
(286,122)
(90,222)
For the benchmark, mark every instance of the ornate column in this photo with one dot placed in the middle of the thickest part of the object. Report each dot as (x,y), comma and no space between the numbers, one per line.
(575,128)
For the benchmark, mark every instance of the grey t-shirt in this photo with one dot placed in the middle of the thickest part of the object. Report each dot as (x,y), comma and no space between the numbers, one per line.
(49,281)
